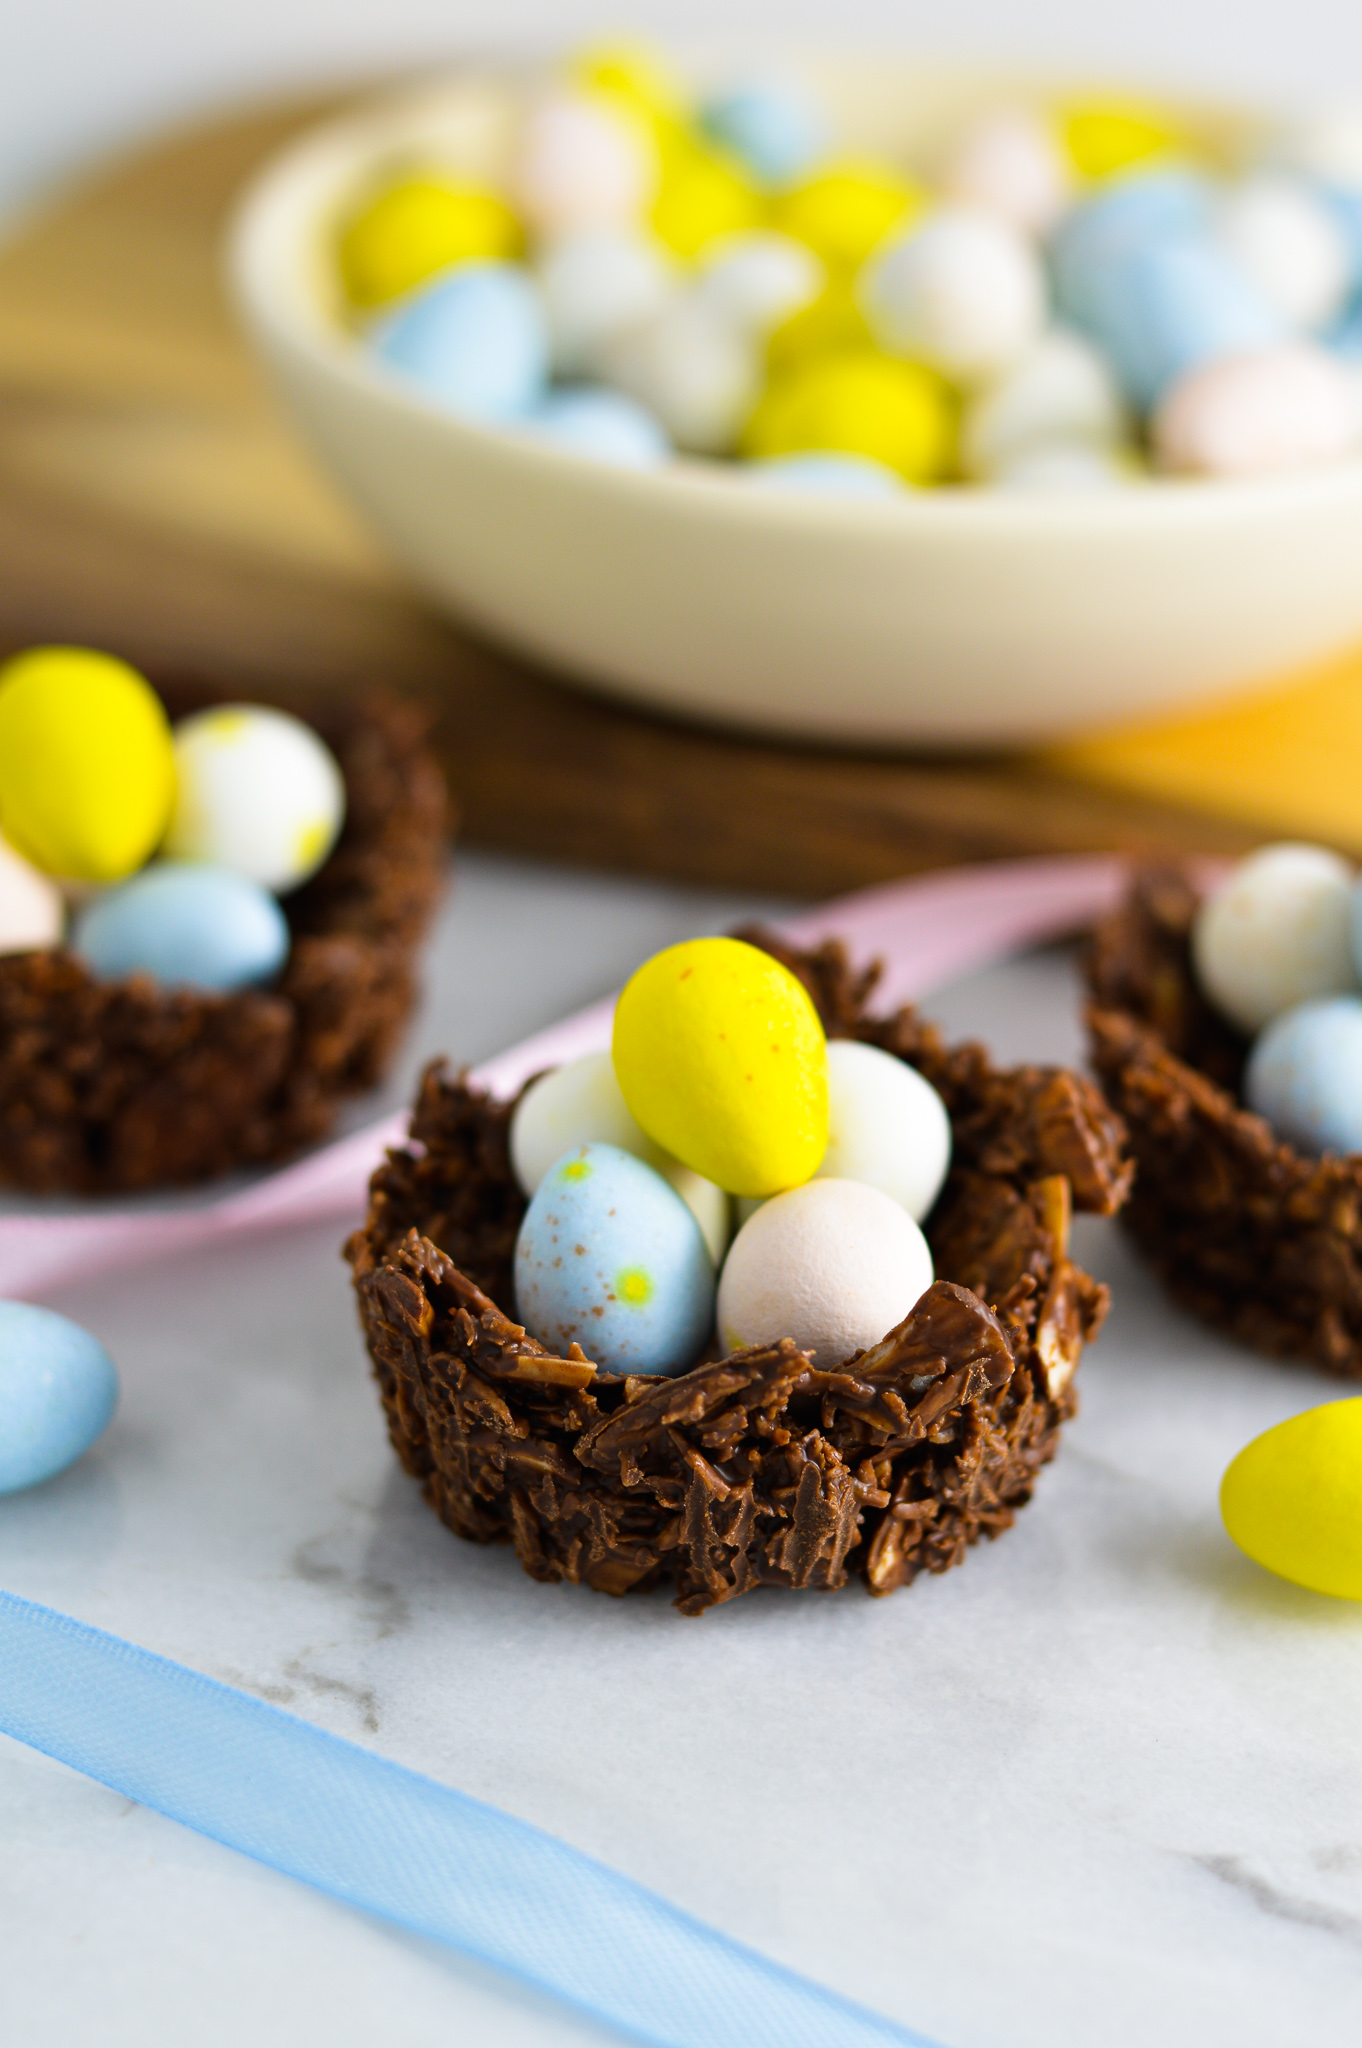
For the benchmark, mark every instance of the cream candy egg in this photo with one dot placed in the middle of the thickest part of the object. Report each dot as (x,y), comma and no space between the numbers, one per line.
(1278,408)
(1276,932)
(596,283)
(31,910)
(691,368)
(834,1264)
(757,280)
(1283,236)
(964,292)
(887,1126)
(1010,162)
(581,164)
(257,792)
(581,1104)
(1328,146)
(1061,389)
(1065,466)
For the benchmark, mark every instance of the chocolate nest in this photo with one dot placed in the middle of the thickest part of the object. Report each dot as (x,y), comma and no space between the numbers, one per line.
(761,1468)
(110,1086)
(1250,1234)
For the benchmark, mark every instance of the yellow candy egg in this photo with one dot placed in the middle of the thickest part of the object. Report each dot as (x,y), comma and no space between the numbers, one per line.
(1293,1499)
(634,76)
(848,209)
(722,1060)
(418,227)
(87,772)
(858,402)
(703,195)
(1106,136)
(832,321)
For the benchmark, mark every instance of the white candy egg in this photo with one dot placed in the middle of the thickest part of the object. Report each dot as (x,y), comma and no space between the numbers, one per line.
(31,910)
(835,1264)
(964,292)
(1010,162)
(1276,932)
(596,283)
(1280,408)
(581,164)
(1065,466)
(581,1104)
(1061,389)
(691,368)
(1283,236)
(887,1126)
(1328,147)
(757,280)
(257,792)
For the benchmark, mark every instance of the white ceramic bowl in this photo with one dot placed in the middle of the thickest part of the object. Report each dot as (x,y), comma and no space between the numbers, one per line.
(946,617)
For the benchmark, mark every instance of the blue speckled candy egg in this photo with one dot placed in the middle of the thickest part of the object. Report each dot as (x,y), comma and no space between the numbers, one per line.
(58,1392)
(476,341)
(606,425)
(609,1257)
(186,925)
(1305,1075)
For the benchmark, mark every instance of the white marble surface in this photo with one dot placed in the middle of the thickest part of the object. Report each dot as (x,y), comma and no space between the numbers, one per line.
(1102,1785)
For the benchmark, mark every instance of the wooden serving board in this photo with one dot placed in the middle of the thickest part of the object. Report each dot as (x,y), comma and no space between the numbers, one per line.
(153,502)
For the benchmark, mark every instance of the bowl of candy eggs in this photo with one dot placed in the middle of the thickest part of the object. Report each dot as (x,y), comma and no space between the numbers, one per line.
(865,401)
(208,927)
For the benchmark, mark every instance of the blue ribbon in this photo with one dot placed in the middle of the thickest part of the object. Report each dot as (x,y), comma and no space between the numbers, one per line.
(402,1846)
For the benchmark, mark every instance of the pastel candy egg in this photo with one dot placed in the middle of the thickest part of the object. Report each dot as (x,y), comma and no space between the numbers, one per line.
(607,426)
(826,476)
(1010,162)
(776,127)
(835,1264)
(759,280)
(831,324)
(691,369)
(964,292)
(31,910)
(58,1392)
(1305,1075)
(582,163)
(580,1103)
(1066,466)
(609,1257)
(1292,1499)
(857,402)
(703,196)
(417,227)
(256,791)
(1282,408)
(1060,389)
(848,209)
(187,927)
(1276,932)
(887,1126)
(1097,239)
(475,340)
(595,284)
(87,774)
(1104,136)
(1284,237)
(721,1058)
(1327,146)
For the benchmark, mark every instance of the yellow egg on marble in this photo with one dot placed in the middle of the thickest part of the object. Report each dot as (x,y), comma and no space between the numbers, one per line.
(87,773)
(1292,1499)
(857,402)
(722,1061)
(417,227)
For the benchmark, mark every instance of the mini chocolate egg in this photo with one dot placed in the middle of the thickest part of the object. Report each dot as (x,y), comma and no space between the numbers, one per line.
(1011,163)
(857,402)
(962,291)
(773,124)
(1304,1075)
(609,1257)
(1060,389)
(590,419)
(1292,1499)
(759,280)
(1284,237)
(187,926)
(416,227)
(826,475)
(58,1392)
(835,1264)
(1104,136)
(581,1104)
(847,209)
(87,774)
(693,370)
(257,791)
(1282,408)
(594,285)
(475,340)
(1066,466)
(582,163)
(1275,932)
(887,1126)
(32,913)
(721,1058)
(704,195)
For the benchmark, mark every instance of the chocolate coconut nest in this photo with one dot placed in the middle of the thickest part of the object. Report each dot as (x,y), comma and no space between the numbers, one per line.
(113,1085)
(1250,1234)
(764,1467)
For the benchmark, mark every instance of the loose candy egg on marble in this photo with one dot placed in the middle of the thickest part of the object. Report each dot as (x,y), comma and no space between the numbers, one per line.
(847,209)
(87,773)
(58,1392)
(416,227)
(594,285)
(1280,408)
(887,1126)
(857,402)
(475,340)
(1060,389)
(759,280)
(1285,238)
(826,476)
(834,1264)
(185,925)
(722,1060)
(609,1257)
(32,913)
(963,292)
(582,163)
(1304,1075)
(774,125)
(580,1103)
(1292,1499)
(689,367)
(591,419)
(1275,932)
(1010,162)
(257,791)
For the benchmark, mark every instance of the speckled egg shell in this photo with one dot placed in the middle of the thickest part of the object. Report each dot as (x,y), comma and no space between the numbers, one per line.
(1305,1075)
(58,1392)
(187,927)
(256,791)
(1275,932)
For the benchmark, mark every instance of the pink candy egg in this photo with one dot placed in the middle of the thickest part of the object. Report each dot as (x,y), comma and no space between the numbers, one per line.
(1280,408)
(581,165)
(1011,163)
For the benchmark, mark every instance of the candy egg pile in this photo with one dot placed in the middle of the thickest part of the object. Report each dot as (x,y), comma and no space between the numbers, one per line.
(1060,299)
(720,1084)
(172,842)
(1277,949)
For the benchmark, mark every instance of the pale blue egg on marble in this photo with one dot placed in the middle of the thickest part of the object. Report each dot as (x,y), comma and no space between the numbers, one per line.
(476,340)
(609,1257)
(1304,1075)
(187,925)
(775,127)
(827,475)
(58,1392)
(592,420)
